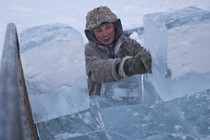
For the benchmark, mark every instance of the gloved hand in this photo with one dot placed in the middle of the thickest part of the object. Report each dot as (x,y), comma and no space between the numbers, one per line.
(139,64)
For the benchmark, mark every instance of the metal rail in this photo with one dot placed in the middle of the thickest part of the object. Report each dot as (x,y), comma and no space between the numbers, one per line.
(16,121)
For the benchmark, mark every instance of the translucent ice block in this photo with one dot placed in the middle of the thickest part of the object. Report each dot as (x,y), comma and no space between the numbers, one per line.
(54,68)
(180,45)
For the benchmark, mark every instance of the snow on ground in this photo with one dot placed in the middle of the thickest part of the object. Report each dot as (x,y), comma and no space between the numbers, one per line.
(31,13)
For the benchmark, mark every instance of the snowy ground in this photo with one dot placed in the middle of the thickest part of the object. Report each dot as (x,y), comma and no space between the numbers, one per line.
(31,13)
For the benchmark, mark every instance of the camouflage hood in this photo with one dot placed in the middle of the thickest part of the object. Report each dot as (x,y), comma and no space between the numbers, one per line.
(98,16)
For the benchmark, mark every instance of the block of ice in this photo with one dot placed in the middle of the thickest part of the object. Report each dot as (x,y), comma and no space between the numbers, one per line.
(125,91)
(180,46)
(180,118)
(54,68)
(84,125)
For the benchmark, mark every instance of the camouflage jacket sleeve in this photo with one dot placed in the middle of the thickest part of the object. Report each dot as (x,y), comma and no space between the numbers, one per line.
(131,48)
(99,67)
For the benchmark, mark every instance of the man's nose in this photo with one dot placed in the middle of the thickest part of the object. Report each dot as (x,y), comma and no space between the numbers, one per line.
(105,32)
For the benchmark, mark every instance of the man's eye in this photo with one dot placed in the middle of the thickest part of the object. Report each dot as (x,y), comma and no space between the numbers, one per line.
(108,27)
(97,30)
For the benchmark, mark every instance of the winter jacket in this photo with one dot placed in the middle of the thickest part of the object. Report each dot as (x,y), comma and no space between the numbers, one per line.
(100,68)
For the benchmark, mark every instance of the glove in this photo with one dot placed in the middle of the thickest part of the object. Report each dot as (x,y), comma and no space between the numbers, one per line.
(139,64)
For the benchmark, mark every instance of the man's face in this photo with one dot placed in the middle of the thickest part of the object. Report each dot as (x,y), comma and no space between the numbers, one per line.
(105,33)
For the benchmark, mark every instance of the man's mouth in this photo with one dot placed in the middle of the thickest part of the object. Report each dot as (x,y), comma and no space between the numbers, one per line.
(107,39)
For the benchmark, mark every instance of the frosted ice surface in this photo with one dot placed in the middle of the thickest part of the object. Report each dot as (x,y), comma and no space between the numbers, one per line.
(180,46)
(53,63)
(84,125)
(62,101)
(125,91)
(176,119)
(130,91)
(179,119)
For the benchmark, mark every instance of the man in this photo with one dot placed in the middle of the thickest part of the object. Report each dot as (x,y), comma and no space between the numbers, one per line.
(109,55)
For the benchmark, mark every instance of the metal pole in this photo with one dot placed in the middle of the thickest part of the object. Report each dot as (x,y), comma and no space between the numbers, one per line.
(16,122)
